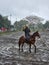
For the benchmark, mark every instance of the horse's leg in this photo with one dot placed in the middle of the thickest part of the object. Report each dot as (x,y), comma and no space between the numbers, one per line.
(30,48)
(35,48)
(22,47)
(19,46)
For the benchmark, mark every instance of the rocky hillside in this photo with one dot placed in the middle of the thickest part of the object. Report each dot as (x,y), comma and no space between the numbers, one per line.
(33,19)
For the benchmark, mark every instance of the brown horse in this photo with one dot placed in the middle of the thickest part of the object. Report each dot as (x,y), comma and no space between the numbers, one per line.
(32,40)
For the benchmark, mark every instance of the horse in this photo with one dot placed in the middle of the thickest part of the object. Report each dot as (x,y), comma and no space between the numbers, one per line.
(30,42)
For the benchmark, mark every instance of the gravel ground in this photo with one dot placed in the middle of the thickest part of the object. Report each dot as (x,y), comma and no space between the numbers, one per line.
(10,55)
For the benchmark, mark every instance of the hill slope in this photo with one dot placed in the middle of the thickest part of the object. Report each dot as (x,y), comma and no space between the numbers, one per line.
(33,19)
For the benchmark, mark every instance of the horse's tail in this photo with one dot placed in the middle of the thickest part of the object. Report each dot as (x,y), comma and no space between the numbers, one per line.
(19,44)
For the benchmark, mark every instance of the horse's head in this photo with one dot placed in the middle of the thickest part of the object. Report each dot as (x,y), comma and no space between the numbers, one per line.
(37,34)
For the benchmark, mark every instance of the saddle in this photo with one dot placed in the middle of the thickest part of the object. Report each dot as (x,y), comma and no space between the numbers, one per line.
(27,39)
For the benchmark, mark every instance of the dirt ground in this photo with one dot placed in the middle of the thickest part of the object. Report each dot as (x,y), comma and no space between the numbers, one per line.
(10,55)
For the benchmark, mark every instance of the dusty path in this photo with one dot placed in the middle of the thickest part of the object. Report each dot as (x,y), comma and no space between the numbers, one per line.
(10,55)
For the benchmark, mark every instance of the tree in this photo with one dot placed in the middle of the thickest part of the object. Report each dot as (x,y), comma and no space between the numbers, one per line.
(40,26)
(46,25)
(19,24)
(4,22)
(1,19)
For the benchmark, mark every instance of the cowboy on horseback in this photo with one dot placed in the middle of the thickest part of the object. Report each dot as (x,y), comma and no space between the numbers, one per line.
(27,32)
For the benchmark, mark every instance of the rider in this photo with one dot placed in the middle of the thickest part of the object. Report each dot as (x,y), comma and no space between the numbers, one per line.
(27,32)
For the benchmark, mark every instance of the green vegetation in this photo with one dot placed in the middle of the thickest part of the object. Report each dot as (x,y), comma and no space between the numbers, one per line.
(19,24)
(2,33)
(4,22)
(39,26)
(46,25)
(6,33)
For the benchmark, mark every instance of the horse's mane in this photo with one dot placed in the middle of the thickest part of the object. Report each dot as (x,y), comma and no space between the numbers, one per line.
(34,34)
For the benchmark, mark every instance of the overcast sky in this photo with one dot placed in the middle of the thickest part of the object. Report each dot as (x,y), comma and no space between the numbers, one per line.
(19,9)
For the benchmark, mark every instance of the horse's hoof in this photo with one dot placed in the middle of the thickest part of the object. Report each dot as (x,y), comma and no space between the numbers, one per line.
(35,51)
(22,50)
(30,51)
